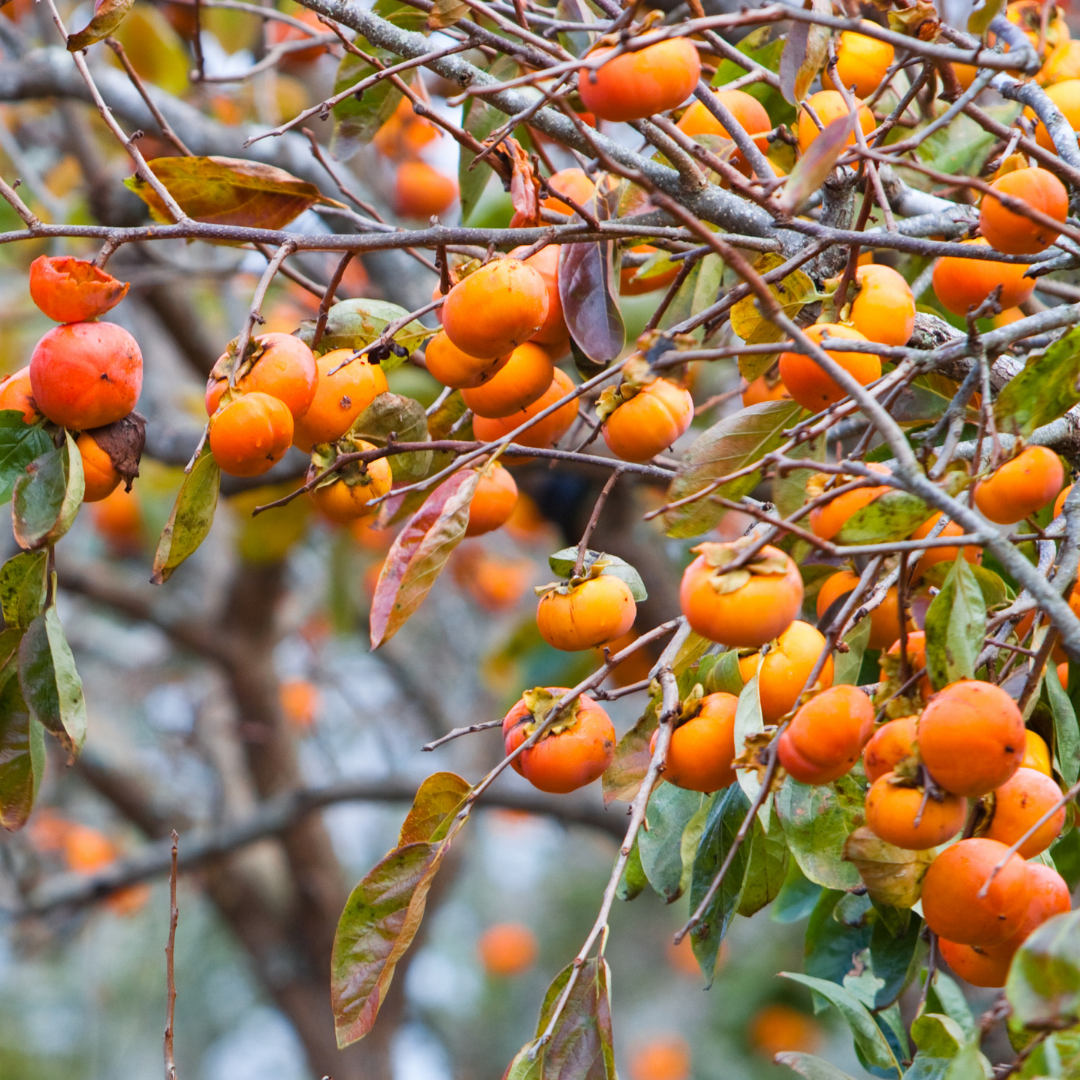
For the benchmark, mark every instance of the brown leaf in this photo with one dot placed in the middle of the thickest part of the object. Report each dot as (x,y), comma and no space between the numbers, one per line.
(815,165)
(446,13)
(123,441)
(804,53)
(524,188)
(891,875)
(228,191)
(108,15)
(628,767)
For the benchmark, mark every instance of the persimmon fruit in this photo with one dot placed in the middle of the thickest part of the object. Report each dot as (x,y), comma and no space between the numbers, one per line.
(1048,896)
(285,369)
(636,85)
(829,106)
(251,434)
(961,283)
(1018,804)
(747,110)
(889,745)
(1012,232)
(421,191)
(345,498)
(543,433)
(457,369)
(492,503)
(782,672)
(86,374)
(340,397)
(809,384)
(586,615)
(100,477)
(17,395)
(575,184)
(663,1058)
(861,63)
(702,749)
(829,518)
(884,619)
(827,735)
(523,378)
(905,817)
(931,555)
(507,949)
(883,309)
(649,422)
(1021,487)
(71,290)
(974,964)
(545,262)
(1036,752)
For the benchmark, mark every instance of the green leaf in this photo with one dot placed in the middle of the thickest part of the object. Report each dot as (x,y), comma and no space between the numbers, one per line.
(946,997)
(810,1067)
(1066,731)
(156,51)
(356,122)
(433,808)
(733,443)
(961,149)
(766,870)
(622,778)
(893,515)
(955,627)
(353,324)
(419,553)
(779,110)
(22,757)
(191,517)
(797,898)
(480,119)
(669,813)
(724,676)
(575,42)
(47,496)
(23,586)
(405,419)
(1044,981)
(817,821)
(633,881)
(789,490)
(1044,390)
(697,292)
(839,928)
(868,1037)
(562,563)
(726,814)
(19,445)
(51,686)
(895,959)
(848,665)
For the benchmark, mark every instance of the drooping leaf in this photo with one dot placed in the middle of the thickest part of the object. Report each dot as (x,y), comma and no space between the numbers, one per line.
(51,686)
(23,584)
(191,517)
(669,813)
(797,898)
(804,54)
(955,627)
(893,515)
(1044,981)
(439,797)
(563,561)
(946,997)
(792,292)
(789,490)
(622,779)
(698,291)
(22,750)
(731,444)
(633,881)
(1066,731)
(996,591)
(847,665)
(575,42)
(895,959)
(589,298)
(352,324)
(419,553)
(724,676)
(809,1066)
(108,15)
(480,120)
(839,928)
(47,496)
(817,821)
(228,191)
(814,166)
(868,1037)
(405,419)
(891,875)
(1044,390)
(20,444)
(357,121)
(767,869)
(729,808)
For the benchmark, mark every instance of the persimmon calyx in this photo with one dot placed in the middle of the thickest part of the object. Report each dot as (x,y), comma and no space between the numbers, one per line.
(755,756)
(231,367)
(690,706)
(324,455)
(567,585)
(721,556)
(540,701)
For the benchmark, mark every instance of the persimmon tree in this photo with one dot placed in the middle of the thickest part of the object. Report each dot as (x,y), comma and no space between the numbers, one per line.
(849,235)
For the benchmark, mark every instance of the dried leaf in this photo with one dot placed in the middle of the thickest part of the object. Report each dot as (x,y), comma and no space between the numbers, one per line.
(524,187)
(191,517)
(891,875)
(108,15)
(815,164)
(228,191)
(804,53)
(419,553)
(446,13)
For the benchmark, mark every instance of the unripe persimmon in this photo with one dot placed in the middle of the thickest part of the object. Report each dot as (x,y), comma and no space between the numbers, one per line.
(100,477)
(782,672)
(890,744)
(17,394)
(514,385)
(884,619)
(86,374)
(808,383)
(575,751)
(1018,804)
(546,263)
(884,308)
(345,498)
(750,113)
(496,308)
(827,735)
(583,616)
(951,903)
(904,816)
(251,434)
(507,949)
(828,519)
(649,422)
(703,748)
(961,284)
(285,369)
(638,84)
(544,433)
(1012,232)
(72,290)
(829,106)
(492,503)
(421,191)
(457,369)
(1021,487)
(575,184)
(742,615)
(339,398)
(971,737)
(974,964)
(932,555)
(861,63)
